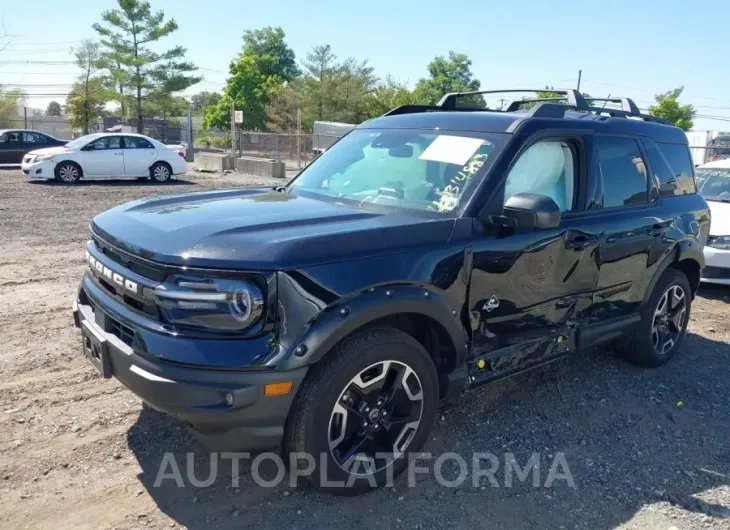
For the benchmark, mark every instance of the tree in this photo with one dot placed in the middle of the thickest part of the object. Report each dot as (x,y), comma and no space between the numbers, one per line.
(125,33)
(388,95)
(53,109)
(85,103)
(282,112)
(11,101)
(265,63)
(354,83)
(273,55)
(320,68)
(199,101)
(448,74)
(668,107)
(249,89)
(91,89)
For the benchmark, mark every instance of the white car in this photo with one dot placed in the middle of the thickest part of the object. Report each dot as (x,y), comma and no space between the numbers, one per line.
(106,155)
(713,180)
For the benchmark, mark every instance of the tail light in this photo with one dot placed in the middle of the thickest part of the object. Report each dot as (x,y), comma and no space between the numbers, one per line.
(181,153)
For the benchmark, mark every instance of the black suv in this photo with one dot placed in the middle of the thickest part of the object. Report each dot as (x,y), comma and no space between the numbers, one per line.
(428,252)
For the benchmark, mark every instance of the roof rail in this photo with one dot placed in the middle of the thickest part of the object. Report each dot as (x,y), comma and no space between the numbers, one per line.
(572,97)
(569,99)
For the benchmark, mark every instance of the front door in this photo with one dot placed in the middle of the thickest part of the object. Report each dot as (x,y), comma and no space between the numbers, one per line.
(104,157)
(530,289)
(139,155)
(11,147)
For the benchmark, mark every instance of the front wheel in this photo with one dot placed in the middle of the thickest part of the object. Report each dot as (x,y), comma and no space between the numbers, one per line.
(68,172)
(359,413)
(663,323)
(160,172)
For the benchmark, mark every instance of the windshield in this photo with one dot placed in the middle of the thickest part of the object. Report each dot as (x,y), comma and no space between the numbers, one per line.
(714,184)
(81,141)
(415,169)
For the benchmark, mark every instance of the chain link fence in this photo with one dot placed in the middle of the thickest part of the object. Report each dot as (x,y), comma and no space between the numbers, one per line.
(295,150)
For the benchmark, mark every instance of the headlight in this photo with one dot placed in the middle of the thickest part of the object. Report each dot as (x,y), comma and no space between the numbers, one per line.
(214,304)
(40,158)
(721,242)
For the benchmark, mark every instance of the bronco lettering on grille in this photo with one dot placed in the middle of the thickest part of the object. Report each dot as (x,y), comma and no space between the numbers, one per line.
(114,277)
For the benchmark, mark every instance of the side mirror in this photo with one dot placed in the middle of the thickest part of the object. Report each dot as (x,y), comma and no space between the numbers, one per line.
(531,211)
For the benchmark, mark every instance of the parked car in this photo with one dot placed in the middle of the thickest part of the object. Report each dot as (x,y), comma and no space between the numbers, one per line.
(104,155)
(15,143)
(430,251)
(715,188)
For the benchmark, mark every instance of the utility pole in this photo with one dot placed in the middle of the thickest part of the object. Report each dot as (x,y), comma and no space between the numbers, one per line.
(25,117)
(580,74)
(233,129)
(299,138)
(190,153)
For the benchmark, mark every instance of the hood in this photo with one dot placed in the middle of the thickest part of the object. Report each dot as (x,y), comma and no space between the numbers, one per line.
(50,151)
(720,218)
(260,229)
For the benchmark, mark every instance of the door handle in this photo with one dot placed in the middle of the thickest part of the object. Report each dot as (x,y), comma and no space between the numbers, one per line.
(581,241)
(656,229)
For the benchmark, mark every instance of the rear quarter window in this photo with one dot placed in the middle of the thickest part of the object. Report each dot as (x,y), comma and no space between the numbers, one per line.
(672,166)
(623,172)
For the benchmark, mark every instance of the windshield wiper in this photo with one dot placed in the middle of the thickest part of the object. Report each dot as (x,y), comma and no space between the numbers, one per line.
(718,199)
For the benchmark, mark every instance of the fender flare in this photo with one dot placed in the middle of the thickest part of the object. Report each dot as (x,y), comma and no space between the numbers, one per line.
(683,250)
(348,315)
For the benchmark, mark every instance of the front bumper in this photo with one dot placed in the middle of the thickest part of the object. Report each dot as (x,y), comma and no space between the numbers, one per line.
(43,170)
(227,409)
(717,266)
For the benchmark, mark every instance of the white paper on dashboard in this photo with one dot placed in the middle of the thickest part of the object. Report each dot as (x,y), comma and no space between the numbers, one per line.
(451,149)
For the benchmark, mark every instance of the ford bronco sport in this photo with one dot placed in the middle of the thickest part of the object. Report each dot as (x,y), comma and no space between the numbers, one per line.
(430,251)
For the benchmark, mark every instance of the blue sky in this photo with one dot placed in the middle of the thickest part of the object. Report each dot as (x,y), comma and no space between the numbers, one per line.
(633,48)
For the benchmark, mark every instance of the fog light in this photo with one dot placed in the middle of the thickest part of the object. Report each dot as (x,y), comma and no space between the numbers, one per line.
(38,171)
(278,389)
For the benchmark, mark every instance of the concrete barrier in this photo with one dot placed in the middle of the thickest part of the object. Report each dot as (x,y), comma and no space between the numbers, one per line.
(217,162)
(261,167)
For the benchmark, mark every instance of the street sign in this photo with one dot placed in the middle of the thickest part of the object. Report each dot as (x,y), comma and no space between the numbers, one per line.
(238,116)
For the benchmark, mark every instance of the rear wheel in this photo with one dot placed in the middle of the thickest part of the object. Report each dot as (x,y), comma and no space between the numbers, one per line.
(68,172)
(160,172)
(664,321)
(358,415)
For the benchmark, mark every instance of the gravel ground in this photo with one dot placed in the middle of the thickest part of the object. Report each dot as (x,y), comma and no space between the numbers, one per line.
(645,448)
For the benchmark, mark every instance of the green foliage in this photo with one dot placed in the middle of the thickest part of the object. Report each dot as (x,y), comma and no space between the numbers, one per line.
(265,63)
(199,101)
(668,107)
(272,54)
(283,109)
(85,103)
(125,33)
(449,74)
(11,101)
(388,95)
(53,109)
(249,89)
(335,91)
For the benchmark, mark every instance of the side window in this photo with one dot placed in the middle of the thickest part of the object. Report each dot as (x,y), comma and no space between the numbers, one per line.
(681,179)
(114,142)
(12,137)
(97,145)
(134,142)
(33,138)
(623,172)
(549,168)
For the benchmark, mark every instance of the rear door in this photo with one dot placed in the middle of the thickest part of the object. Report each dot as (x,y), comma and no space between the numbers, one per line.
(529,288)
(630,223)
(104,157)
(139,155)
(33,141)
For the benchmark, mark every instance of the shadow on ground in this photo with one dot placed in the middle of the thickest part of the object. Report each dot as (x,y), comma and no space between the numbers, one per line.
(116,183)
(630,436)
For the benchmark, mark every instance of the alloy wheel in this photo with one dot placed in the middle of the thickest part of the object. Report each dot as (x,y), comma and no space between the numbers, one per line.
(69,173)
(669,319)
(375,417)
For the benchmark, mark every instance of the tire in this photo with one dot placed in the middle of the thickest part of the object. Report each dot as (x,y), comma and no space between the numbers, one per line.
(68,172)
(160,172)
(662,328)
(352,392)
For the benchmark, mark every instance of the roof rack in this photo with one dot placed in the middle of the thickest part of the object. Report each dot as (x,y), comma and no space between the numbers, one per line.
(546,107)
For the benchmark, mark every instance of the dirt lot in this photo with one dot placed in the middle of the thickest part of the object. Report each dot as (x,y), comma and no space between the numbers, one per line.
(646,448)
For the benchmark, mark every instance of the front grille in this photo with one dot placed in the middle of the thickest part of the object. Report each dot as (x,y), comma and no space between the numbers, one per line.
(716,273)
(107,322)
(138,266)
